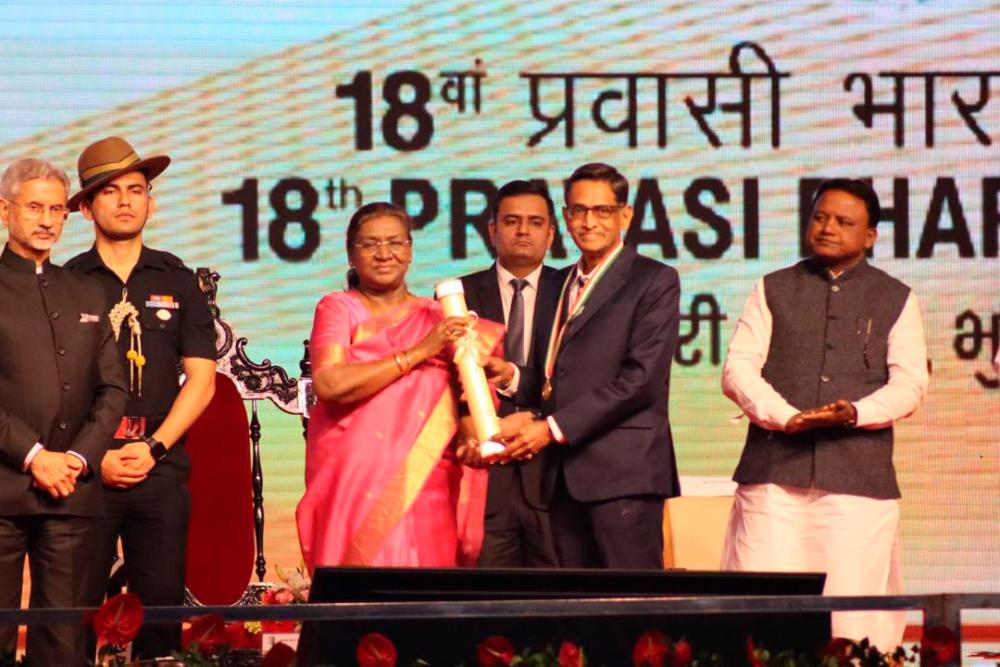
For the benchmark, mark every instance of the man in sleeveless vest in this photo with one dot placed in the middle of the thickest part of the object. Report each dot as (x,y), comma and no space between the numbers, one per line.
(826,356)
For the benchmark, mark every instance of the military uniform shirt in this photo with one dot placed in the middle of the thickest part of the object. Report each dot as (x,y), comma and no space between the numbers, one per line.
(176,322)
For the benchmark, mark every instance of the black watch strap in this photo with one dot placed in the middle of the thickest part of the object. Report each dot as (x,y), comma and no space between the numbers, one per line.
(156,448)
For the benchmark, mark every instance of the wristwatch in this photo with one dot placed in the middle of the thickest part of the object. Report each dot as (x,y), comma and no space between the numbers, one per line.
(156,448)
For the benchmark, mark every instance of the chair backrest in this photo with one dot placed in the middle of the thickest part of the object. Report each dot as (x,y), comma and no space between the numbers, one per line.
(220,545)
(227,478)
(694,528)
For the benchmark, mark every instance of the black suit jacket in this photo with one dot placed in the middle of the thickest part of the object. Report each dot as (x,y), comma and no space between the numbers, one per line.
(61,382)
(482,294)
(611,385)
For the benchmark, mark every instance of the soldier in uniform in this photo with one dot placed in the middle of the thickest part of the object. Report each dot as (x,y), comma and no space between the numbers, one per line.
(163,325)
(62,392)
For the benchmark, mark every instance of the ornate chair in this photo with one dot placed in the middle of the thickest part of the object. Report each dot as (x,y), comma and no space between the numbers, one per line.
(226,535)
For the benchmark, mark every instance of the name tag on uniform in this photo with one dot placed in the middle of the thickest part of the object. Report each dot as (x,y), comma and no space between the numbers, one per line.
(88,318)
(162,301)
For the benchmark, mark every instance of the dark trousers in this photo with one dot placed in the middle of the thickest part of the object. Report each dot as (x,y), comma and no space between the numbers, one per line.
(56,547)
(517,534)
(152,520)
(621,533)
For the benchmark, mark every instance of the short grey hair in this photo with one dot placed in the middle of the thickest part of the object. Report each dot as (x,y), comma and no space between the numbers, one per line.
(28,169)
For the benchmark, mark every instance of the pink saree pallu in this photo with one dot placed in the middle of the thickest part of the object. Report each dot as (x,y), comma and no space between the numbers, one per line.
(383,486)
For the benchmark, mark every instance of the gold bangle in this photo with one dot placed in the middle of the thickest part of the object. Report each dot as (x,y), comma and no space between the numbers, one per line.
(409,365)
(399,364)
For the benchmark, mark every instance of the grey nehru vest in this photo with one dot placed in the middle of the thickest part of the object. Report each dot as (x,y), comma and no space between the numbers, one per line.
(829,341)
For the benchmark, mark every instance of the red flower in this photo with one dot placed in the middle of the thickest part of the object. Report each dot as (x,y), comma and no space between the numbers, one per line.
(239,637)
(494,651)
(376,650)
(280,655)
(207,633)
(838,648)
(571,655)
(754,656)
(278,626)
(938,646)
(267,597)
(650,650)
(118,620)
(682,655)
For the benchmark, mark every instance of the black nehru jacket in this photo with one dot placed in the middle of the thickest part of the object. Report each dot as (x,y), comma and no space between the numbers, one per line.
(176,322)
(60,382)
(829,341)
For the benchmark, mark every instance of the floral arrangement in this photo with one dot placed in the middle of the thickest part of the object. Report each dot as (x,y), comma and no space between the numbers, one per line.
(294,589)
(938,647)
(377,650)
(654,649)
(206,640)
(209,640)
(116,624)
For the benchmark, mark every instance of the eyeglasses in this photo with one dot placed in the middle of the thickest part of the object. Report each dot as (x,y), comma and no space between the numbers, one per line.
(35,211)
(395,246)
(601,211)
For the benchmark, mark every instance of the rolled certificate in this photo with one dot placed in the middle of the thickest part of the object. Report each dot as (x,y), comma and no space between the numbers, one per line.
(477,391)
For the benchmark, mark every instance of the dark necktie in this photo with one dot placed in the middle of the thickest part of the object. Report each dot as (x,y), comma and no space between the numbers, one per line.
(514,345)
(579,284)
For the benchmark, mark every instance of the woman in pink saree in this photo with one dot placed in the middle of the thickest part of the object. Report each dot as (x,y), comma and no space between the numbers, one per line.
(384,482)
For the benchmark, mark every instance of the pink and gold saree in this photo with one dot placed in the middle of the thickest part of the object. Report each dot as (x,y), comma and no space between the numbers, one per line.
(383,486)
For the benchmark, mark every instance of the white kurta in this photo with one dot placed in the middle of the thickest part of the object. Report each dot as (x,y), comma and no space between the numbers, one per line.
(853,539)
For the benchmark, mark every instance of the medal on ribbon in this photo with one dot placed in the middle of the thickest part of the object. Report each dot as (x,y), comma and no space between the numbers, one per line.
(555,340)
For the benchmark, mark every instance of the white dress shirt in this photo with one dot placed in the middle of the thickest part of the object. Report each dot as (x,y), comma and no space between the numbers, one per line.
(898,398)
(529,295)
(578,279)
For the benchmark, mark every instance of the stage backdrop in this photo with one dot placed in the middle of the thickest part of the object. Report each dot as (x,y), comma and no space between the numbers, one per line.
(282,117)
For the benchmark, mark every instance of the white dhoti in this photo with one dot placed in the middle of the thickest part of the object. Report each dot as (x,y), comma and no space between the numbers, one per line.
(853,539)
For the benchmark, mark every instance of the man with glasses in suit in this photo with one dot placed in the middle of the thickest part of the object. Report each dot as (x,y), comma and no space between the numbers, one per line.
(62,392)
(605,388)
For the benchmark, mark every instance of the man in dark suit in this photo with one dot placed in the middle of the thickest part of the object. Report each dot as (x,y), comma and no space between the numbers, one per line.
(62,392)
(605,388)
(522,293)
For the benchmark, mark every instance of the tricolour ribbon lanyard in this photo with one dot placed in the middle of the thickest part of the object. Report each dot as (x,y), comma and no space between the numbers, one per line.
(575,309)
